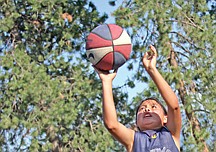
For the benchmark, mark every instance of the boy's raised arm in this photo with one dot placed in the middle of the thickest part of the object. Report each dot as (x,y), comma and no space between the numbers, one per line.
(174,115)
(118,130)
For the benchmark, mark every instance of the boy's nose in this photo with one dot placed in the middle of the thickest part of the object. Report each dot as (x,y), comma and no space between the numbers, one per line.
(147,109)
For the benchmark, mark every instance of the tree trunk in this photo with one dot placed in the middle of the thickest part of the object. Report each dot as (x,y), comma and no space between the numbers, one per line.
(53,139)
(182,93)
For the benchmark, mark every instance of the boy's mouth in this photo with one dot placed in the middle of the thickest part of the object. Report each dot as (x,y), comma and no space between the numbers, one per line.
(147,114)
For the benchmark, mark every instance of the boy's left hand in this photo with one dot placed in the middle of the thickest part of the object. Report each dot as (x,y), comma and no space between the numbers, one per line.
(149,59)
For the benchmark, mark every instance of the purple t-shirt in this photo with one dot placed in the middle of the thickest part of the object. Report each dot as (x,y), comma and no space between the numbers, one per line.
(154,141)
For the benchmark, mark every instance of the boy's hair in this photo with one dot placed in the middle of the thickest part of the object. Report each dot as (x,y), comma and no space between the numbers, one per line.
(151,98)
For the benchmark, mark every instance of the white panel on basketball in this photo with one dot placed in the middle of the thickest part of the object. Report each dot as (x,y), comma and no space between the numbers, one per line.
(96,54)
(123,39)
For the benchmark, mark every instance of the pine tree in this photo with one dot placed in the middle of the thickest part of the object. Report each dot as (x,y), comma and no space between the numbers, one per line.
(49,98)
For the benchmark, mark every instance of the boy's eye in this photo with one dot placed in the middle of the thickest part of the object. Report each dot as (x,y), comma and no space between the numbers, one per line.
(142,108)
(154,106)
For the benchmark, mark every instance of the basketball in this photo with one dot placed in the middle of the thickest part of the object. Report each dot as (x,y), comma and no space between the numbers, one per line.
(108,46)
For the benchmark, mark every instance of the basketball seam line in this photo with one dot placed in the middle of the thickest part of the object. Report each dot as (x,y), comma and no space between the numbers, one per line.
(112,46)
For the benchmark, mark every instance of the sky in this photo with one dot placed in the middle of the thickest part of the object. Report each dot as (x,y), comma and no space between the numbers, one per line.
(123,73)
(103,6)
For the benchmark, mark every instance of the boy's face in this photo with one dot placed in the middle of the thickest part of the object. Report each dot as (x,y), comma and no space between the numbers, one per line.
(150,115)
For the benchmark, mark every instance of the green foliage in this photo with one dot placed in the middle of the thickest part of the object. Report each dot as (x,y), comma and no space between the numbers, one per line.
(51,101)
(49,98)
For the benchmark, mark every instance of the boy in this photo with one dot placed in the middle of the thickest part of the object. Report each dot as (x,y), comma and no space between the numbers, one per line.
(158,130)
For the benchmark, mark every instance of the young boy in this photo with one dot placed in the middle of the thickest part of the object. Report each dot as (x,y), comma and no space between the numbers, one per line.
(158,130)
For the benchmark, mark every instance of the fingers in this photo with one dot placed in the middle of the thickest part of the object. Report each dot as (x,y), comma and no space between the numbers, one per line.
(153,50)
(145,55)
(150,54)
(99,71)
(116,70)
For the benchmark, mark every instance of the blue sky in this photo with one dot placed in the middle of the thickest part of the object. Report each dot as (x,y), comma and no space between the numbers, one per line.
(103,6)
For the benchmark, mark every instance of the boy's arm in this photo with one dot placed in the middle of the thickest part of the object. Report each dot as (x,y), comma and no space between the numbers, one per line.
(118,130)
(174,115)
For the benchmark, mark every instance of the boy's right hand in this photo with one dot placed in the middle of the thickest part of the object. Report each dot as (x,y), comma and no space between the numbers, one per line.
(106,75)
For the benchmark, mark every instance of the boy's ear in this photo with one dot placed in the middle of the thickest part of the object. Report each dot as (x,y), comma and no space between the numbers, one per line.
(165,119)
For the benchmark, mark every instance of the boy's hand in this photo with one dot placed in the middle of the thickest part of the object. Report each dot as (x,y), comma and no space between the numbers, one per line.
(106,75)
(149,59)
